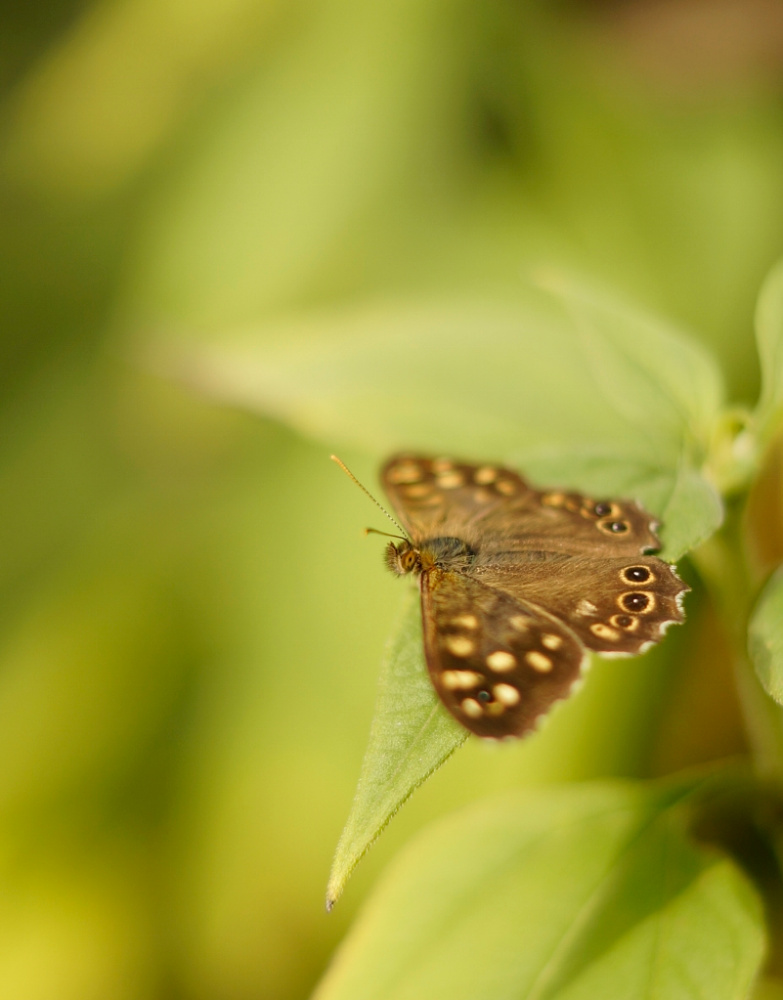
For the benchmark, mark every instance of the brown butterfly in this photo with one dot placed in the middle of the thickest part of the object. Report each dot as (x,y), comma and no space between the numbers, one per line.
(517,584)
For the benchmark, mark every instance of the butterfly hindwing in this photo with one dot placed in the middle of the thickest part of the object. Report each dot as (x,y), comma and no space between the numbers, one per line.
(612,605)
(497,664)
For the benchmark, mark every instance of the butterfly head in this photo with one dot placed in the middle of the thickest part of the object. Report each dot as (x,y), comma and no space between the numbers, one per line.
(403,558)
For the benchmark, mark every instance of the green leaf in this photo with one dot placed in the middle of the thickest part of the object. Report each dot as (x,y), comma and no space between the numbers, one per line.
(765,637)
(689,504)
(564,894)
(769,340)
(410,737)
(499,381)
(408,713)
(667,386)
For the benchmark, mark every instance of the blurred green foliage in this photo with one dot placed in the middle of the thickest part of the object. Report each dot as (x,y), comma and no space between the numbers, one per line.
(191,623)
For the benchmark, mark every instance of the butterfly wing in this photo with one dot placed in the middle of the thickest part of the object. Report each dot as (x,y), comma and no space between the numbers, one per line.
(494,506)
(551,572)
(440,496)
(612,605)
(497,663)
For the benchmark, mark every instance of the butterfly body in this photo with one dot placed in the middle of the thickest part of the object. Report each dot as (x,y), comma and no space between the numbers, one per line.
(432,553)
(517,584)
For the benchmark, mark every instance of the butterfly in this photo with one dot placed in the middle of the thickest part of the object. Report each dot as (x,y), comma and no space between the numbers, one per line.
(519,585)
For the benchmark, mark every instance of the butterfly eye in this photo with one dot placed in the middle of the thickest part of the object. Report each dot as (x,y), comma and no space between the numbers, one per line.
(410,560)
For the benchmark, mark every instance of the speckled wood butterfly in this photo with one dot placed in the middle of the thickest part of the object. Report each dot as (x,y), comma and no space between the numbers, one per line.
(518,584)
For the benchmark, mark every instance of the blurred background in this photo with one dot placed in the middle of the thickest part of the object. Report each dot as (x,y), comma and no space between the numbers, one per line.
(190,622)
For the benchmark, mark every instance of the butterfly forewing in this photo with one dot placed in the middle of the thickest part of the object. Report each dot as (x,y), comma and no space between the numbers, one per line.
(439,495)
(497,507)
(497,664)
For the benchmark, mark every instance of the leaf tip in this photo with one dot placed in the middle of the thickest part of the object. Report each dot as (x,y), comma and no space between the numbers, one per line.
(335,885)
(333,892)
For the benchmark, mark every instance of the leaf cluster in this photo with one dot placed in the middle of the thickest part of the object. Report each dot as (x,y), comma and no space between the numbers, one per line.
(594,890)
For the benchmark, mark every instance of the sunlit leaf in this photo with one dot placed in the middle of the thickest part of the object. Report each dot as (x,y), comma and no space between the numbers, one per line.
(579,892)
(495,381)
(668,387)
(410,737)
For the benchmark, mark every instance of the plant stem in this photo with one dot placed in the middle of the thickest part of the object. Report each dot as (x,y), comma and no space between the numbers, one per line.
(723,567)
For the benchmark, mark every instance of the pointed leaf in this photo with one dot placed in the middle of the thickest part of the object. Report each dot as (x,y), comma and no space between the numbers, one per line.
(472,376)
(666,385)
(564,894)
(502,381)
(410,737)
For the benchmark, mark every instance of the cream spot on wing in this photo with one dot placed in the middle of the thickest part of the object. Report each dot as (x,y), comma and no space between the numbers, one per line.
(431,500)
(585,608)
(442,465)
(507,487)
(416,490)
(482,496)
(520,622)
(506,694)
(553,499)
(450,480)
(472,708)
(455,680)
(405,472)
(458,645)
(485,475)
(501,661)
(551,641)
(495,708)
(605,632)
(538,661)
(465,621)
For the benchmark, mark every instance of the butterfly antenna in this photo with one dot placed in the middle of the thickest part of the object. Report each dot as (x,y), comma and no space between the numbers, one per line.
(364,489)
